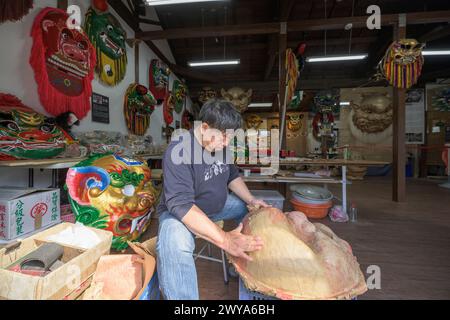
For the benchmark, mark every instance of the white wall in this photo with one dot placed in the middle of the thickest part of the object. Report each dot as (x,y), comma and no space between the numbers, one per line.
(17,77)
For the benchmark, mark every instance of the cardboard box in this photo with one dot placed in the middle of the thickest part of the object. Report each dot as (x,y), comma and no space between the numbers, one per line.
(63,283)
(23,211)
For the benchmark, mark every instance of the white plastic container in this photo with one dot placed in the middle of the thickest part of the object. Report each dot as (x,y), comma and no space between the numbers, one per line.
(272,197)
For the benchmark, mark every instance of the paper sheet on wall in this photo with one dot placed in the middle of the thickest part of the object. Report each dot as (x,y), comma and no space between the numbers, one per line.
(415,116)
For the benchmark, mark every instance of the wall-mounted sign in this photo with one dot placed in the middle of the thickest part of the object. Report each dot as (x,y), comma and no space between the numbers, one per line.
(415,116)
(100,108)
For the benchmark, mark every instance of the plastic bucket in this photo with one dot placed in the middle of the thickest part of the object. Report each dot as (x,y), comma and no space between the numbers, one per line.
(314,211)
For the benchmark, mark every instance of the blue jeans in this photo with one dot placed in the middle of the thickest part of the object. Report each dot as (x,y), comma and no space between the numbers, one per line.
(177,274)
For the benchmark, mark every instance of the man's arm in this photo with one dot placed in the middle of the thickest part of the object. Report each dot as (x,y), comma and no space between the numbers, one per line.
(233,242)
(240,189)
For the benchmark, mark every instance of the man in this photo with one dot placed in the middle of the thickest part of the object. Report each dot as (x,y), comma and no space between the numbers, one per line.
(195,195)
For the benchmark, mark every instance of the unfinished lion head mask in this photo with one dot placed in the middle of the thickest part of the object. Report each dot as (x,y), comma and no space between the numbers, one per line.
(206,94)
(371,120)
(238,97)
(299,260)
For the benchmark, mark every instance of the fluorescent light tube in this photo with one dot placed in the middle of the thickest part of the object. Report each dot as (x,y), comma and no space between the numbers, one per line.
(214,63)
(336,58)
(260,105)
(345,103)
(436,52)
(169,2)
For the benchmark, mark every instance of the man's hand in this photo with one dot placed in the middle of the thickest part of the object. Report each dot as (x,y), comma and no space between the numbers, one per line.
(258,203)
(237,244)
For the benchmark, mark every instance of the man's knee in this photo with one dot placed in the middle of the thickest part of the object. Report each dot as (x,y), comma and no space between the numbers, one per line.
(174,237)
(239,206)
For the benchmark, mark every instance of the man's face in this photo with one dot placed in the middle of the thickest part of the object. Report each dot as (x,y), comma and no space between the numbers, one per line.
(215,140)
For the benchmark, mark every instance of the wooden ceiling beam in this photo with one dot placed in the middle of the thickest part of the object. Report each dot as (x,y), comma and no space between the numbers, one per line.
(435,34)
(285,8)
(292,26)
(264,46)
(129,18)
(272,86)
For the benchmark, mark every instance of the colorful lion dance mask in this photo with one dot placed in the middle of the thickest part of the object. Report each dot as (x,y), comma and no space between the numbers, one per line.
(138,107)
(254,121)
(168,107)
(159,79)
(113,193)
(108,37)
(63,60)
(179,91)
(26,134)
(402,63)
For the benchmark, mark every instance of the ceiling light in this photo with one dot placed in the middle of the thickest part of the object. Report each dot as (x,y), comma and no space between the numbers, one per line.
(214,63)
(260,105)
(169,2)
(336,58)
(345,103)
(436,52)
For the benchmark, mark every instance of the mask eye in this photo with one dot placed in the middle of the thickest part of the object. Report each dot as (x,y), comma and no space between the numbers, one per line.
(47,128)
(82,45)
(65,34)
(12,126)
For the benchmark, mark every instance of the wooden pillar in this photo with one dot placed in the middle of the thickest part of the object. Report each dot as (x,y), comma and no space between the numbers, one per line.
(282,46)
(399,116)
(136,61)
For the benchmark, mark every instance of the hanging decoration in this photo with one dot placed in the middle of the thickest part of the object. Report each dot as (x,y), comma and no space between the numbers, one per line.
(402,63)
(139,105)
(206,94)
(14,10)
(296,101)
(169,105)
(292,74)
(370,120)
(295,122)
(26,134)
(323,123)
(63,61)
(108,38)
(179,91)
(112,193)
(238,97)
(159,79)
(441,100)
(254,121)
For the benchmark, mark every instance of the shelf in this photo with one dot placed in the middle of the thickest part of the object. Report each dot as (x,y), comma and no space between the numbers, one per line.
(279,179)
(321,162)
(62,163)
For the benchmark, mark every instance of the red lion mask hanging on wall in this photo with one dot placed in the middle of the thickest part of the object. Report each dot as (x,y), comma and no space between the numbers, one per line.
(63,61)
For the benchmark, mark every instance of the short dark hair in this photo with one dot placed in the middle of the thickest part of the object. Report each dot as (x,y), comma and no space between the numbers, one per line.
(221,115)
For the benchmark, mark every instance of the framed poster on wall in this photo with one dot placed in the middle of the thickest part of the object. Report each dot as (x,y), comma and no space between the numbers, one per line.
(100,108)
(415,116)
